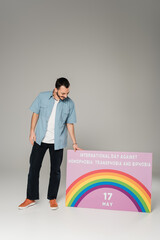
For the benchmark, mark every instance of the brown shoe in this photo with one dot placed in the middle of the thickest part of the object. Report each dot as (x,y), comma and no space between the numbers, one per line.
(53,204)
(26,203)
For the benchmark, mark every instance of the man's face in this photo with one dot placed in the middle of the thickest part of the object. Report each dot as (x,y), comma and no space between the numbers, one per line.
(62,92)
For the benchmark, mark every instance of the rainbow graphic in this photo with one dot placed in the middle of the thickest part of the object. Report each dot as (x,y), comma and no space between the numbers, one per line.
(108,178)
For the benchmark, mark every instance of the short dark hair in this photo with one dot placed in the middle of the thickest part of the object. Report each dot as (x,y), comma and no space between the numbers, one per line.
(62,82)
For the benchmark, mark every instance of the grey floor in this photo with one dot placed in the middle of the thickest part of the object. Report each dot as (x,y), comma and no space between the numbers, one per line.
(40,222)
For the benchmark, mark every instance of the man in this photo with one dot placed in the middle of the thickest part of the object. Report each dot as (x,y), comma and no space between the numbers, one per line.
(53,114)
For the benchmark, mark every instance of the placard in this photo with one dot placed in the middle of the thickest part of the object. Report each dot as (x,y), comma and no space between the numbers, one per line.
(109,180)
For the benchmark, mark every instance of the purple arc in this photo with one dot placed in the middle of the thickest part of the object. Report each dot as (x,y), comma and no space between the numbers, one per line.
(109,186)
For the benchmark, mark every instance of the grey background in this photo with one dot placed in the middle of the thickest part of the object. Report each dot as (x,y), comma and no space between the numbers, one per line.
(109,51)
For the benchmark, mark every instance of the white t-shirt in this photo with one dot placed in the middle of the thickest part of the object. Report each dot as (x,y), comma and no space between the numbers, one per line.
(49,137)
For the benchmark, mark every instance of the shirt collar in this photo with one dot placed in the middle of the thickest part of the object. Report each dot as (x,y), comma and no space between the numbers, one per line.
(51,95)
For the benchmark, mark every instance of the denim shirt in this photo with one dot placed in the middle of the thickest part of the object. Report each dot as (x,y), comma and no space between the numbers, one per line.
(65,113)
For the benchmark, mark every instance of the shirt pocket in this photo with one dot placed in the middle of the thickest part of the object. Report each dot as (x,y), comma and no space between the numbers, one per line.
(43,110)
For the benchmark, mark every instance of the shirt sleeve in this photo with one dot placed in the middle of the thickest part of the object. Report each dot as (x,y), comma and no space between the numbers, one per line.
(72,114)
(35,106)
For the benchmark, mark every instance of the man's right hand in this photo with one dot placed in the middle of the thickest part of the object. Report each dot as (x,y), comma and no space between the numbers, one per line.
(32,137)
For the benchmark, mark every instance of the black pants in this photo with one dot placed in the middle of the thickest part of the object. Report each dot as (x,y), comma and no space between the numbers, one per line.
(36,158)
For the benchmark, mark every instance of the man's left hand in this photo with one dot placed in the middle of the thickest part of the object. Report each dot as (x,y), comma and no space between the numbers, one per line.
(75,147)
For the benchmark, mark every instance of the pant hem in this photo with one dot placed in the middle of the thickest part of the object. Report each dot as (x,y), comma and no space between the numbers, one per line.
(33,198)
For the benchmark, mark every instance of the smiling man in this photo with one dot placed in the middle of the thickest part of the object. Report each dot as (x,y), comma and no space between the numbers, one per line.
(53,115)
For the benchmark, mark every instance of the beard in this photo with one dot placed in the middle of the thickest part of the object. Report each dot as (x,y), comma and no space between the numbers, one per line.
(62,98)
